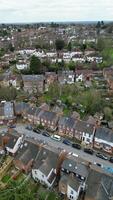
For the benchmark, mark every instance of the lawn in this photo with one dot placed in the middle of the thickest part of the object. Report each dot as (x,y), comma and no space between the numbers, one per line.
(53,196)
(5,179)
(42,193)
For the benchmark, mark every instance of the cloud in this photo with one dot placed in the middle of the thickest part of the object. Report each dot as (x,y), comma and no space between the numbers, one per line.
(55,10)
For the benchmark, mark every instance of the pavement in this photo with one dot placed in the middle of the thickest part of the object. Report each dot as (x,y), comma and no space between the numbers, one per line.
(20,128)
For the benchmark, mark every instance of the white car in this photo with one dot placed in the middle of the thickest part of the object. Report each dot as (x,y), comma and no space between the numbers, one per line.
(56,137)
(73,154)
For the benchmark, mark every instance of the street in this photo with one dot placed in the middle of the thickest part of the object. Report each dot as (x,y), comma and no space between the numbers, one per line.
(81,154)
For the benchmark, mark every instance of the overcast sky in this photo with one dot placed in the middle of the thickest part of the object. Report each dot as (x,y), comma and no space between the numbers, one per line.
(55,10)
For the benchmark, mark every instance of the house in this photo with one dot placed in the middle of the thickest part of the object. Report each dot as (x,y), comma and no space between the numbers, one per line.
(6,112)
(66,126)
(29,113)
(84,131)
(45,167)
(13,143)
(83,75)
(108,74)
(20,108)
(48,119)
(73,188)
(70,186)
(66,77)
(50,77)
(104,139)
(75,115)
(26,155)
(99,186)
(79,170)
(73,178)
(33,83)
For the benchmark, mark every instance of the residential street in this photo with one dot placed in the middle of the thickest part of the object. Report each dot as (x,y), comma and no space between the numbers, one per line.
(30,134)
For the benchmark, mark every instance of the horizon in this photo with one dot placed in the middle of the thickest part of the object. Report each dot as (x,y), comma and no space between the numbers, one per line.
(61,22)
(28,11)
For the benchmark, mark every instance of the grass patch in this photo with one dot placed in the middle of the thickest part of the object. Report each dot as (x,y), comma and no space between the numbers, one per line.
(6,178)
(51,196)
(42,193)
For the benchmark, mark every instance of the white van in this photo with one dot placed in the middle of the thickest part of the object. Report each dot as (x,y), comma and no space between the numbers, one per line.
(56,137)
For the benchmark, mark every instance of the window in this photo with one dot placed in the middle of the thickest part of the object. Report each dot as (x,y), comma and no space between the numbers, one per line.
(71,191)
(83,138)
(71,197)
(88,140)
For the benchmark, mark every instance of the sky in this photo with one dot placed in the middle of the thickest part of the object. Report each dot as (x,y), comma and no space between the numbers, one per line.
(16,11)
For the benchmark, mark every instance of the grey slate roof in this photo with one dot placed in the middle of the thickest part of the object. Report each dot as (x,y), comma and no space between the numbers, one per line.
(50,116)
(33,78)
(20,107)
(69,165)
(67,122)
(46,161)
(85,127)
(99,186)
(74,167)
(31,110)
(8,109)
(104,134)
(73,183)
(27,152)
(12,140)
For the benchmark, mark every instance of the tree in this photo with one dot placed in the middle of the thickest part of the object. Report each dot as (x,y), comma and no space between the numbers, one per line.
(108,113)
(35,65)
(7,93)
(100,44)
(11,47)
(71,65)
(69,47)
(59,43)
(83,47)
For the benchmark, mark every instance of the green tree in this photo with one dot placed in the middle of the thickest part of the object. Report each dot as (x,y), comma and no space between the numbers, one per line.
(101,44)
(35,65)
(59,43)
(108,113)
(69,46)
(8,93)
(11,47)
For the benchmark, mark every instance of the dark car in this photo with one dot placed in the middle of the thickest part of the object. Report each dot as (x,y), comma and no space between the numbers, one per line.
(29,127)
(111,159)
(88,150)
(12,126)
(102,156)
(77,146)
(36,131)
(46,134)
(67,142)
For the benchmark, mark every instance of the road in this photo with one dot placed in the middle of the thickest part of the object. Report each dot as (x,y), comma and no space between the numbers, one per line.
(81,154)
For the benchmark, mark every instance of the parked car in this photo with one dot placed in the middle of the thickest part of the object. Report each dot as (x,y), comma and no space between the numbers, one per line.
(77,146)
(73,154)
(88,150)
(12,126)
(56,137)
(36,131)
(67,142)
(46,134)
(102,156)
(98,164)
(29,127)
(111,159)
